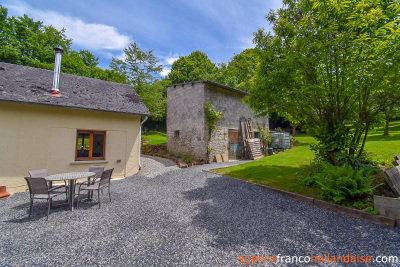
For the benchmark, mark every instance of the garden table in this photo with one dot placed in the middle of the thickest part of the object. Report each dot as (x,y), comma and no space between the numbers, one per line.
(71,177)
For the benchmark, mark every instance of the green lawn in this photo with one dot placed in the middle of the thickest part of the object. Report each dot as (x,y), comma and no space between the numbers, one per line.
(282,171)
(155,138)
(279,171)
(385,147)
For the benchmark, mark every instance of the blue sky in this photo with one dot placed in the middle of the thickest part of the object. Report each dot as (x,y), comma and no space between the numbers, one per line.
(172,28)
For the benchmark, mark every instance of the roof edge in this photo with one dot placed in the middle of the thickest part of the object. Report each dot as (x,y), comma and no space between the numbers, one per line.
(213,83)
(68,107)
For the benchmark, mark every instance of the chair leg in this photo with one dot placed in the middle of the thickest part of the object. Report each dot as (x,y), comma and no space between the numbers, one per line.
(30,208)
(98,196)
(66,191)
(79,194)
(109,192)
(48,209)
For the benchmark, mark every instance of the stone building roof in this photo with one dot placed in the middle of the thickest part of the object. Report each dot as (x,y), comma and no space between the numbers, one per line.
(213,83)
(32,85)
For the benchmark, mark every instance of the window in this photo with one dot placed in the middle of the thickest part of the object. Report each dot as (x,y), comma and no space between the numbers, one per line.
(176,133)
(90,145)
(256,134)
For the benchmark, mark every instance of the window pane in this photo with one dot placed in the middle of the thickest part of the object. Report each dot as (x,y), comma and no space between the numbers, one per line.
(83,145)
(98,144)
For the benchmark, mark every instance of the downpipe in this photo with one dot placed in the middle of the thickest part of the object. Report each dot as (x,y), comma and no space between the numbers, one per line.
(140,141)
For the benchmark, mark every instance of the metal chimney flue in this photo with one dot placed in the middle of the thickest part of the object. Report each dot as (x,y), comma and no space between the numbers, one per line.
(57,66)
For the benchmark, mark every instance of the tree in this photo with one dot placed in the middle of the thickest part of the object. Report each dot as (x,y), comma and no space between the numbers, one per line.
(88,58)
(154,96)
(240,71)
(194,67)
(333,65)
(140,67)
(27,42)
(391,112)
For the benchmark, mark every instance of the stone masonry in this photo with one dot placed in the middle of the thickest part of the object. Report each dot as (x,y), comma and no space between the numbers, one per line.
(187,131)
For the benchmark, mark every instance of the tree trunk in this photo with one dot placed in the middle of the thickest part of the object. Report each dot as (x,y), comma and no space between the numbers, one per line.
(386,132)
(365,139)
(294,125)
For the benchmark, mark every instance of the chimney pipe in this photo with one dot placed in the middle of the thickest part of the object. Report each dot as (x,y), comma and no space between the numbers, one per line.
(57,66)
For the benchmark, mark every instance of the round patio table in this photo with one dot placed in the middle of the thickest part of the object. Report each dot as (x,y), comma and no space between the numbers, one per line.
(71,178)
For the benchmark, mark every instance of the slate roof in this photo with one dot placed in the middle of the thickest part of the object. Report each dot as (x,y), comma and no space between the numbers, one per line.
(32,85)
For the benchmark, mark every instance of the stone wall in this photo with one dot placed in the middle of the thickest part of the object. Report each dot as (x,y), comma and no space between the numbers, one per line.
(231,104)
(185,113)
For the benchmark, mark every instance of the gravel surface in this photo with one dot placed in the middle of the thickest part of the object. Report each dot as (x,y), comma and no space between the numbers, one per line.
(165,216)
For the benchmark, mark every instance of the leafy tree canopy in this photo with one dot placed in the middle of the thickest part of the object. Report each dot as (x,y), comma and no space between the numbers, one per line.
(27,42)
(194,67)
(240,71)
(333,65)
(140,67)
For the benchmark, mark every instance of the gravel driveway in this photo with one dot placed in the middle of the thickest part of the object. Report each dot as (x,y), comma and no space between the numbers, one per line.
(165,216)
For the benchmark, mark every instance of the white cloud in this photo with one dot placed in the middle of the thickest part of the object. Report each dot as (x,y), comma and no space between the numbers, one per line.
(165,71)
(91,36)
(171,60)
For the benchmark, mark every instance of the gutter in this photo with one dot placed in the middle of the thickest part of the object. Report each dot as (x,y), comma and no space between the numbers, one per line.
(140,140)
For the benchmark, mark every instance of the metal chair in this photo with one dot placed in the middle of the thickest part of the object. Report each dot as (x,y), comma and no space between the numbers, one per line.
(98,169)
(39,189)
(104,182)
(42,173)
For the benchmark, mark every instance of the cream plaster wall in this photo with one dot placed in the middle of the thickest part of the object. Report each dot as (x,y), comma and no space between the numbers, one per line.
(38,136)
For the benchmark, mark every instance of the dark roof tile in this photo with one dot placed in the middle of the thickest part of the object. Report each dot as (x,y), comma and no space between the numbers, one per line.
(32,85)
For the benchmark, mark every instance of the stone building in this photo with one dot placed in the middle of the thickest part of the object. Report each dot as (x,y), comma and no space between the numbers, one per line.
(187,130)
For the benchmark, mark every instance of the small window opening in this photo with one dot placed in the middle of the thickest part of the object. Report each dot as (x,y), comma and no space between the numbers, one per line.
(176,134)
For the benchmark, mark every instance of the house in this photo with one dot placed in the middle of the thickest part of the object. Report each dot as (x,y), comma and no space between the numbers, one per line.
(187,130)
(90,122)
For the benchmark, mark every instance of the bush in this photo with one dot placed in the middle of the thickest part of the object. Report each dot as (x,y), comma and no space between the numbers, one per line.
(294,141)
(359,205)
(342,183)
(346,159)
(187,159)
(307,173)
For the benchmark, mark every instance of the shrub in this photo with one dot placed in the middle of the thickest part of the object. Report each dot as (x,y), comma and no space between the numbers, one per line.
(342,183)
(346,159)
(371,210)
(359,205)
(187,159)
(307,172)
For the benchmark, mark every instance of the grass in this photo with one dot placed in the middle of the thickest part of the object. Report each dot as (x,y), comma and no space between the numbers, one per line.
(383,147)
(279,171)
(155,138)
(283,170)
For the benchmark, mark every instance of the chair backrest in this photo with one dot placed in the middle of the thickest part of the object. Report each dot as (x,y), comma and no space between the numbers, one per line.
(98,169)
(38,173)
(37,185)
(106,177)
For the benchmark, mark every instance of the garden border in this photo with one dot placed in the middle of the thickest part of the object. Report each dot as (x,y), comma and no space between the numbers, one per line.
(377,219)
